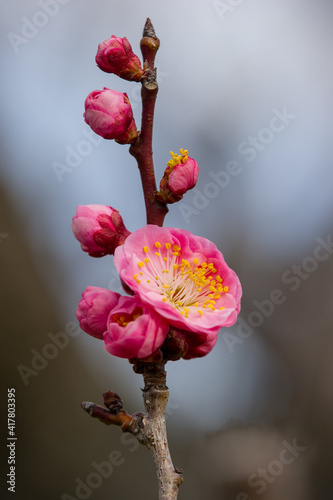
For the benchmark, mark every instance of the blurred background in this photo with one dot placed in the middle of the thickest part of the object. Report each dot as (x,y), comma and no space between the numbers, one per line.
(246,87)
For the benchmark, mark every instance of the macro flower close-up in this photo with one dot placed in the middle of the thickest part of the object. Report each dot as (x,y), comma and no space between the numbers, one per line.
(183,277)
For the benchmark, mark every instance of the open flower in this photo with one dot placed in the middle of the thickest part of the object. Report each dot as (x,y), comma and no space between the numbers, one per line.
(183,277)
(134,330)
(94,309)
(115,55)
(109,114)
(99,229)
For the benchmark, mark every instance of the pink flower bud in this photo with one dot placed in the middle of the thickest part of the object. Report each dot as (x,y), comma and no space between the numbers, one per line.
(99,229)
(109,114)
(134,329)
(94,309)
(180,175)
(184,344)
(115,55)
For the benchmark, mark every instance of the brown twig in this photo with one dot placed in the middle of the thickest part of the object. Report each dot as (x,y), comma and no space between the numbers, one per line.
(142,149)
(148,428)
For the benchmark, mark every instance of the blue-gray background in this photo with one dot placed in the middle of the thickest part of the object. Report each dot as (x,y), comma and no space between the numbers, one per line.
(225,69)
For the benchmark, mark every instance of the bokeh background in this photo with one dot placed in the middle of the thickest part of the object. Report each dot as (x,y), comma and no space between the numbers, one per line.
(254,418)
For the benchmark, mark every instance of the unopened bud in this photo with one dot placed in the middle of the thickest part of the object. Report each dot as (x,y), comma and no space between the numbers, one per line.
(109,114)
(115,55)
(99,229)
(94,309)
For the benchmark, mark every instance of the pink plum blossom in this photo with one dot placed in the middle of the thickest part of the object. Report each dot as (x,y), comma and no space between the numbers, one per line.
(99,229)
(94,309)
(115,55)
(134,330)
(182,277)
(109,114)
(180,176)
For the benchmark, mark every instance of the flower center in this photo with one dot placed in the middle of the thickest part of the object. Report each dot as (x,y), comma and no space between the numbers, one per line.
(176,159)
(124,318)
(188,286)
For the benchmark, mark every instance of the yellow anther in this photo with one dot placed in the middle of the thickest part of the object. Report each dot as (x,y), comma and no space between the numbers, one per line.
(196,304)
(176,248)
(156,277)
(138,282)
(196,261)
(226,289)
(141,274)
(141,264)
(165,259)
(165,299)
(148,281)
(221,308)
(158,254)
(200,312)
(157,244)
(145,249)
(165,286)
(175,266)
(135,276)
(178,303)
(168,246)
(146,261)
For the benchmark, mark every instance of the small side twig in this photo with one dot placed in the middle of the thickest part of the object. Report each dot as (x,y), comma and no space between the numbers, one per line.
(148,428)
